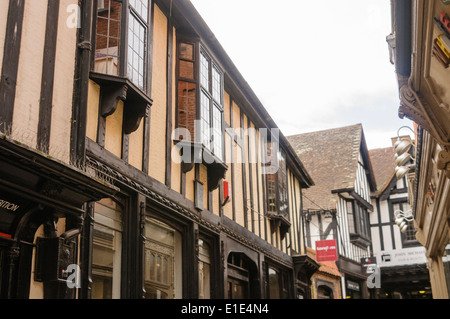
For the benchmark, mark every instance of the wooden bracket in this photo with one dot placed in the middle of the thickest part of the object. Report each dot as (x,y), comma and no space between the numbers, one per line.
(114,89)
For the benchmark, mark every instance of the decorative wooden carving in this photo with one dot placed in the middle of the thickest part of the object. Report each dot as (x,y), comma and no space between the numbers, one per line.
(114,89)
(110,95)
(411,107)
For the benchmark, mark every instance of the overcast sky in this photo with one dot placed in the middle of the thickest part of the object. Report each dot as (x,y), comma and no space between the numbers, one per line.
(314,65)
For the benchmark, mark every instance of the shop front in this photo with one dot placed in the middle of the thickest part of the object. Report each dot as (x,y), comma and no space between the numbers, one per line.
(354,281)
(37,192)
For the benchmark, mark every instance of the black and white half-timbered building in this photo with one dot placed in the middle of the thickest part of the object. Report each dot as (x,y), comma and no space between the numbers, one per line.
(136,162)
(339,205)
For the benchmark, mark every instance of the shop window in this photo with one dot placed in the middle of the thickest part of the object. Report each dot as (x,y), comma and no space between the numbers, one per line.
(274,284)
(238,277)
(243,281)
(107,250)
(204,270)
(353,290)
(163,273)
(278,283)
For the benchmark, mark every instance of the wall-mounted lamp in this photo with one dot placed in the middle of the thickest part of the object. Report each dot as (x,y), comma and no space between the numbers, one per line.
(402,155)
(402,219)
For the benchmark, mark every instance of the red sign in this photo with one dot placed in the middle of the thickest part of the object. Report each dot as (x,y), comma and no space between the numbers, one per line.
(5,235)
(326,250)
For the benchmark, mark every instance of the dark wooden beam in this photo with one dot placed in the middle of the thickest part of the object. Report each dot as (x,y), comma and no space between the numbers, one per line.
(48,77)
(11,54)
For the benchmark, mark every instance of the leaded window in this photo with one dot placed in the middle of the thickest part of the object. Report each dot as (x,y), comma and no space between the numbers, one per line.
(121,40)
(276,185)
(200,97)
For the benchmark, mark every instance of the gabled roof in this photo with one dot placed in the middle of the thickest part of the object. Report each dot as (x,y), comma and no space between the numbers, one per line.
(383,162)
(331,158)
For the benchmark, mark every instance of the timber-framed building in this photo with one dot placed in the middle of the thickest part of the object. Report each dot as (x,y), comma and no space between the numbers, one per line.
(135,155)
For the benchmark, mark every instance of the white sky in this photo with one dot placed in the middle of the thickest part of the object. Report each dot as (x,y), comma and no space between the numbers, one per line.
(316,64)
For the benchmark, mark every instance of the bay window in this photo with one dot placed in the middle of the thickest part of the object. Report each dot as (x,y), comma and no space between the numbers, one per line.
(120,60)
(200,97)
(358,223)
(121,40)
(277,191)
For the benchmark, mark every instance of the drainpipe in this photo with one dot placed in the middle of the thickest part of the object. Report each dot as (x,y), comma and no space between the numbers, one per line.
(403,37)
(81,85)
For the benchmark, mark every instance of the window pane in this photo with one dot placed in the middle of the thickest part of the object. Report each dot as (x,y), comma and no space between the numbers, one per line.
(205,120)
(141,7)
(107,251)
(163,268)
(217,85)
(204,71)
(187,107)
(351,218)
(107,41)
(186,69)
(136,51)
(274,284)
(217,132)
(282,184)
(204,275)
(186,51)
(271,193)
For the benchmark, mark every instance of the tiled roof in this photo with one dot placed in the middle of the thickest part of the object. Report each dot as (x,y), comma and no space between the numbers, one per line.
(327,267)
(383,163)
(331,158)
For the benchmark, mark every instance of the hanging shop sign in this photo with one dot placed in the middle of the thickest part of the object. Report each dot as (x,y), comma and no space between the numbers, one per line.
(326,250)
(368,265)
(352,285)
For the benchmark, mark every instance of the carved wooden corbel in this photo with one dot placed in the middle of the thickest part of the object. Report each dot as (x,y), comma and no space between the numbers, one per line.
(110,96)
(114,89)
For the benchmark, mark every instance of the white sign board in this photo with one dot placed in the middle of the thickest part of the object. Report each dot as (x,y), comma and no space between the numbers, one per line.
(400,257)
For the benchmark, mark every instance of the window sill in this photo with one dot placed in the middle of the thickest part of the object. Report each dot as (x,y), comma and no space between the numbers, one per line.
(115,88)
(279,221)
(360,240)
(197,153)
